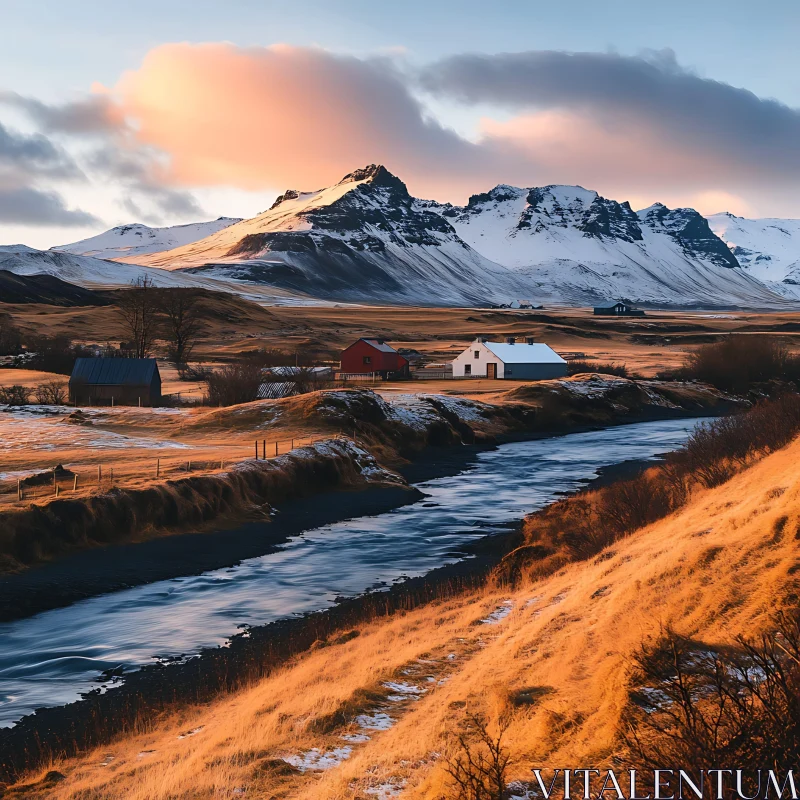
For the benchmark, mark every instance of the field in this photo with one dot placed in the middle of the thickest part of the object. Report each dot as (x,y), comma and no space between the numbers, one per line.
(372,713)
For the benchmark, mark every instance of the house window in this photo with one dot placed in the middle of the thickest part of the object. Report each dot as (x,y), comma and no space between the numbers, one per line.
(367,359)
(477,354)
(468,369)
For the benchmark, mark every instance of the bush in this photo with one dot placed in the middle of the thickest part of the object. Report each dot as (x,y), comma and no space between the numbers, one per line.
(53,393)
(579,365)
(696,707)
(15,395)
(740,361)
(580,527)
(234,384)
(478,770)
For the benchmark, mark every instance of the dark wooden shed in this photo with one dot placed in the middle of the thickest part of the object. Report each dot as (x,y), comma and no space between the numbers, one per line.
(115,381)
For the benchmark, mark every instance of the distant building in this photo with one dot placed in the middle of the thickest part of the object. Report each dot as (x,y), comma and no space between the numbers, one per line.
(115,381)
(526,362)
(617,309)
(373,356)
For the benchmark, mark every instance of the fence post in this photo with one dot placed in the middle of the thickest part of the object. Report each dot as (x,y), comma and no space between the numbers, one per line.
(75,483)
(99,474)
(140,402)
(276,447)
(264,448)
(256,449)
(112,476)
(19,489)
(292,447)
(189,465)
(56,490)
(158,468)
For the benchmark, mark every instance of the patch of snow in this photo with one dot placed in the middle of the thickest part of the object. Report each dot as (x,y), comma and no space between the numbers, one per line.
(317,760)
(192,732)
(499,614)
(374,721)
(355,738)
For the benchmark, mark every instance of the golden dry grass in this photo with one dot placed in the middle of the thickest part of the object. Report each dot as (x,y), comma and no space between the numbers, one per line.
(713,570)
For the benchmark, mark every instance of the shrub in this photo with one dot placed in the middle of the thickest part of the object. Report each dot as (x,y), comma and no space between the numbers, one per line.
(52,393)
(234,384)
(696,707)
(479,767)
(580,527)
(579,365)
(739,361)
(15,395)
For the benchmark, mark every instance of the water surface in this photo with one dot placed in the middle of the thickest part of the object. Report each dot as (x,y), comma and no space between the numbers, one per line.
(49,659)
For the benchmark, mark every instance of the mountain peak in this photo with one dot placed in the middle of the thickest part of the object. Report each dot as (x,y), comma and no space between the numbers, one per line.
(376,174)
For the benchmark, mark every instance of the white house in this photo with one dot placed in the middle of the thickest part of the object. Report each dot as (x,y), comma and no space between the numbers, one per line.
(530,361)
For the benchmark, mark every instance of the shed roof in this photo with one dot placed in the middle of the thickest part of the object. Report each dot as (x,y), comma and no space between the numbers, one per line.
(115,371)
(537,353)
(612,304)
(382,346)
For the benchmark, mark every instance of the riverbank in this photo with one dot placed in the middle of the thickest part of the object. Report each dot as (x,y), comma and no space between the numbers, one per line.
(407,430)
(215,676)
(373,702)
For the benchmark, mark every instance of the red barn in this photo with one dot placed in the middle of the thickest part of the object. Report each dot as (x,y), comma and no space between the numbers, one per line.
(373,355)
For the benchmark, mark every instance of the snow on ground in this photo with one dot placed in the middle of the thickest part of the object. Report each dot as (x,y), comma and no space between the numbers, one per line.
(21,430)
(499,614)
(593,386)
(317,760)
(402,690)
(374,721)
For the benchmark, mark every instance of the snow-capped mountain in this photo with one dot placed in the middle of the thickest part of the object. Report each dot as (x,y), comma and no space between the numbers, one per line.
(769,249)
(363,239)
(572,245)
(137,239)
(84,270)
(366,239)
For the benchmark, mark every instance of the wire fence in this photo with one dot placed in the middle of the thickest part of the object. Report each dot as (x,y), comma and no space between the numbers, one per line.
(99,477)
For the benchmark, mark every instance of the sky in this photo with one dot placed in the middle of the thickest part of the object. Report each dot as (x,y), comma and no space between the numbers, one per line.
(169,112)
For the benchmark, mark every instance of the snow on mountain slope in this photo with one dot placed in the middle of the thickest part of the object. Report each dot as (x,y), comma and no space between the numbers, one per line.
(574,246)
(769,249)
(137,239)
(96,273)
(363,239)
(83,270)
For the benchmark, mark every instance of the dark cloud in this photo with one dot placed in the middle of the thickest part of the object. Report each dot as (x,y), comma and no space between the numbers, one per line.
(92,114)
(30,155)
(138,170)
(759,134)
(28,206)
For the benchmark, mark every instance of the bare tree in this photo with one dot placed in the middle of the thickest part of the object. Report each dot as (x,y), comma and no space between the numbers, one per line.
(478,770)
(139,308)
(183,322)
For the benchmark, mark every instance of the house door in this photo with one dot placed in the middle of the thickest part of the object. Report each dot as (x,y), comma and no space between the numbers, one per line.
(491,370)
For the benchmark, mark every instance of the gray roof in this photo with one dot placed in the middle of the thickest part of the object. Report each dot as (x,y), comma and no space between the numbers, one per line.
(382,346)
(115,371)
(612,303)
(537,353)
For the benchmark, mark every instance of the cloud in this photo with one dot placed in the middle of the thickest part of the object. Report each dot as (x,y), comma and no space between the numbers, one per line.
(142,171)
(282,116)
(652,94)
(93,114)
(28,155)
(28,206)
(114,155)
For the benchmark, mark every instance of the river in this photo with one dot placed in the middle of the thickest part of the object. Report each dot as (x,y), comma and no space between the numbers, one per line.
(51,658)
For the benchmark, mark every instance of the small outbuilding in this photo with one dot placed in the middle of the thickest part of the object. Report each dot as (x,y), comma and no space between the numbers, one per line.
(531,361)
(617,308)
(115,381)
(373,356)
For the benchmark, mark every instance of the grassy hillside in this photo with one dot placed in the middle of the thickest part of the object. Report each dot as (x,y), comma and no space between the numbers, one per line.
(374,711)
